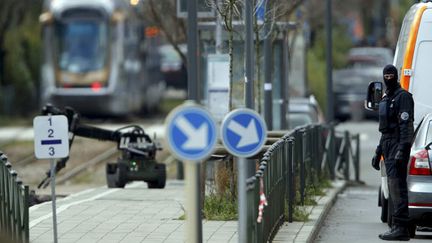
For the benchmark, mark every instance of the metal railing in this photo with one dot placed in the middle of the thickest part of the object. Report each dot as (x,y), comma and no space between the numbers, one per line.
(301,159)
(14,203)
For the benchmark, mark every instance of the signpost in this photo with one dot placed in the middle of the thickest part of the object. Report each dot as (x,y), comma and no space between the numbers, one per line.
(191,136)
(243,133)
(51,141)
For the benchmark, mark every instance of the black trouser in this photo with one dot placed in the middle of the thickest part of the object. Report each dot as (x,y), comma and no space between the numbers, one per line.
(397,183)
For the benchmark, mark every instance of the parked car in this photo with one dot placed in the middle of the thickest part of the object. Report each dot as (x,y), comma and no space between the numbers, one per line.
(365,65)
(172,67)
(303,111)
(419,180)
(369,57)
(349,93)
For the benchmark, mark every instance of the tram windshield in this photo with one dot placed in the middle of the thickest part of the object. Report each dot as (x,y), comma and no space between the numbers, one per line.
(82,45)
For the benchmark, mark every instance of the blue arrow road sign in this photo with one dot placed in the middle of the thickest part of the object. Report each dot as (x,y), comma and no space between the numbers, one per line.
(191,133)
(243,132)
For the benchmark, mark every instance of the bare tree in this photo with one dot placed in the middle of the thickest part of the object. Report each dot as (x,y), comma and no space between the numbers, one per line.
(163,15)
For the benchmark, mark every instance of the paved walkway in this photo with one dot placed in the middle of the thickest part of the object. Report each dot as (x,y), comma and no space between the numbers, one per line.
(137,214)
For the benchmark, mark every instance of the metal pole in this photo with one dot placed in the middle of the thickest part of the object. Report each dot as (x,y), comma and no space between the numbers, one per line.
(290,179)
(193,182)
(245,167)
(284,90)
(193,203)
(357,158)
(268,99)
(218,33)
(249,55)
(53,200)
(192,45)
(242,201)
(329,62)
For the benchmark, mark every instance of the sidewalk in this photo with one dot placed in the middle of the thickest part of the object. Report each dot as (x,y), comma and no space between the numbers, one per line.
(302,232)
(137,214)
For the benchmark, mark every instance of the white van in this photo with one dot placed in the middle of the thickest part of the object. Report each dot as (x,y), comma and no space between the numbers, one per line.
(413,57)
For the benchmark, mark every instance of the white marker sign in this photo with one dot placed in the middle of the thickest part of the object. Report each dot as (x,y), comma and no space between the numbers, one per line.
(51,137)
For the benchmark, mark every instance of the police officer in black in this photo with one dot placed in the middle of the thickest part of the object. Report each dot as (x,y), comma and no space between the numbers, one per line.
(396,114)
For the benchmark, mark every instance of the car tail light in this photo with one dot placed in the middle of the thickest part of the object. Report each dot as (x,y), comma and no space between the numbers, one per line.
(420,164)
(96,86)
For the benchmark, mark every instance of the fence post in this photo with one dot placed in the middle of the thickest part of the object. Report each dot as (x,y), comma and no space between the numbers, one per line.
(291,189)
(251,227)
(331,152)
(8,227)
(26,217)
(302,165)
(357,158)
(346,157)
(318,157)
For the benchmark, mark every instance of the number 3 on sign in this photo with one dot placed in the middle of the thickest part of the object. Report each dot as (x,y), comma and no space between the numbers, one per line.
(51,151)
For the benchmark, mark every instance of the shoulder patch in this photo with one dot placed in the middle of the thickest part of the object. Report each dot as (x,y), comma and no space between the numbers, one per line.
(404,116)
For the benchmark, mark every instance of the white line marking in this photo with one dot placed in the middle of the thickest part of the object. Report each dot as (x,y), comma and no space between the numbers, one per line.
(64,207)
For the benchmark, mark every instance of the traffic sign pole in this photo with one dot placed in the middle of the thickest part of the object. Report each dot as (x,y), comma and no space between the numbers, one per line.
(243,133)
(193,202)
(53,200)
(191,136)
(242,199)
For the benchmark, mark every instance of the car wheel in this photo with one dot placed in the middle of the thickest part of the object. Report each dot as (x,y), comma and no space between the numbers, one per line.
(161,177)
(383,202)
(122,170)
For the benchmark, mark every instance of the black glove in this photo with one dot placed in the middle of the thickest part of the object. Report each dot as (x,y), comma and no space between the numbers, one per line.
(376,161)
(377,157)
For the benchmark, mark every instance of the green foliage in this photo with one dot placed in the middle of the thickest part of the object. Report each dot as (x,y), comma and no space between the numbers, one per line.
(316,61)
(316,75)
(220,208)
(21,44)
(301,214)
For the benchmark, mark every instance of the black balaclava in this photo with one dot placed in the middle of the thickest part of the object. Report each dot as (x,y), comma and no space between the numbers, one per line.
(391,84)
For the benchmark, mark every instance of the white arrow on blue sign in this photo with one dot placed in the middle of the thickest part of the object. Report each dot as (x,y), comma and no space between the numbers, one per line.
(191,133)
(243,132)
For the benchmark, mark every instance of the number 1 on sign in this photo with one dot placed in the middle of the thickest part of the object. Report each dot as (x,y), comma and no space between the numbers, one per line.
(50,121)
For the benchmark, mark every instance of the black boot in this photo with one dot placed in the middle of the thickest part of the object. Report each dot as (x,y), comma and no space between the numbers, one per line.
(396,233)
(388,232)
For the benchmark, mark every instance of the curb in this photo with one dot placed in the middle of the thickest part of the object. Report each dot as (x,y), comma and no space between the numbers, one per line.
(306,232)
(327,203)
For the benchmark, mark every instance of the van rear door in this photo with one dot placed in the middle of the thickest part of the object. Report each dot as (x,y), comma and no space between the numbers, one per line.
(421,80)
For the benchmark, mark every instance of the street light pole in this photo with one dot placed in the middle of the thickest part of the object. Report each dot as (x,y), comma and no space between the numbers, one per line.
(329,61)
